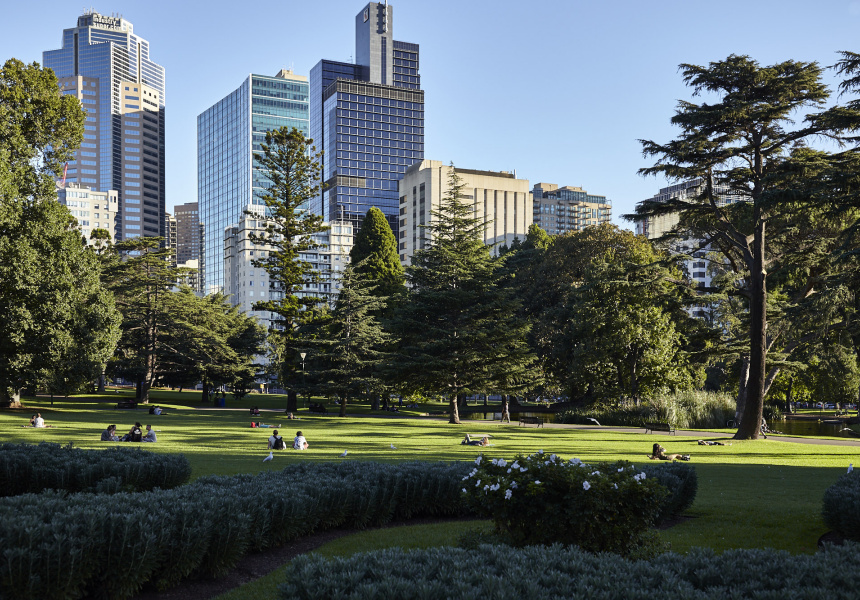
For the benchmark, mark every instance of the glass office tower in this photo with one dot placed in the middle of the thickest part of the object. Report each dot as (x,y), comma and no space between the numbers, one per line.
(107,67)
(228,135)
(368,118)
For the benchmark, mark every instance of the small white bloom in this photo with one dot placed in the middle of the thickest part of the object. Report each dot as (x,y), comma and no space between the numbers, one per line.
(503,462)
(552,457)
(479,483)
(621,469)
(508,494)
(478,460)
(494,487)
(514,485)
(595,473)
(586,486)
(575,461)
(642,475)
(509,470)
(486,487)
(540,451)
(537,481)
(523,469)
(516,465)
(464,490)
(615,485)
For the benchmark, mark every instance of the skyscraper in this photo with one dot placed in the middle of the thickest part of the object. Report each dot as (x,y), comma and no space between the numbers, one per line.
(105,65)
(187,232)
(559,210)
(368,118)
(229,133)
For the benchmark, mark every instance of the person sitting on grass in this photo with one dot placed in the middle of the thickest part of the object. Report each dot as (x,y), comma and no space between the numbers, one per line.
(109,434)
(150,435)
(255,411)
(484,441)
(658,452)
(134,434)
(37,421)
(300,443)
(276,442)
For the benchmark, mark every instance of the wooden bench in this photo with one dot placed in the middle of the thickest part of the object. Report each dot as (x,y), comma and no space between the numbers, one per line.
(659,427)
(531,421)
(126,404)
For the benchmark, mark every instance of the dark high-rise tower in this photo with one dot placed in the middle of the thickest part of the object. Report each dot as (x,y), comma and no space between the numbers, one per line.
(368,118)
(105,65)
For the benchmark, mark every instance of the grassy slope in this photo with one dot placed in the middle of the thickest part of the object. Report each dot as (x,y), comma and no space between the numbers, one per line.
(751,494)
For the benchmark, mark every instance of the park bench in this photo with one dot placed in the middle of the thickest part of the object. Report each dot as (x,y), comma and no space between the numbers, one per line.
(317,408)
(659,427)
(531,421)
(126,404)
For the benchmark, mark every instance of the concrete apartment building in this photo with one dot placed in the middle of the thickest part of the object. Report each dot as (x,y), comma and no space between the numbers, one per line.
(560,210)
(187,232)
(245,284)
(498,198)
(92,209)
(107,66)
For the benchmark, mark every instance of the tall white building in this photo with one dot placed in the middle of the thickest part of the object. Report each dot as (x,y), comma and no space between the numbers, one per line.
(92,209)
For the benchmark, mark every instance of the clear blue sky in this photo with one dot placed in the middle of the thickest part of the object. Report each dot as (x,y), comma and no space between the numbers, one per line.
(559,91)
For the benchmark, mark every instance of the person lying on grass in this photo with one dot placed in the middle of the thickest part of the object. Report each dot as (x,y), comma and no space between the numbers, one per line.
(484,441)
(659,453)
(262,425)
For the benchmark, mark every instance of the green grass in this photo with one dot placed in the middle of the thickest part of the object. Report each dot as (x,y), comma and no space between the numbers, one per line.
(763,493)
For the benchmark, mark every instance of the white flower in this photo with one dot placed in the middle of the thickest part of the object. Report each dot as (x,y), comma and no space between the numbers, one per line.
(586,486)
(509,470)
(595,473)
(514,485)
(503,462)
(486,487)
(479,483)
(615,485)
(508,494)
(537,481)
(464,490)
(575,461)
(523,469)
(552,457)
(642,475)
(540,451)
(494,487)
(516,465)
(621,469)
(478,460)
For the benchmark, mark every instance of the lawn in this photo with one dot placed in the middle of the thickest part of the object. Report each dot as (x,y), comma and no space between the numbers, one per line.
(762,493)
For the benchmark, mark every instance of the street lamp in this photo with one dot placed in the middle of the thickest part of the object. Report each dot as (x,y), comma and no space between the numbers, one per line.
(303,355)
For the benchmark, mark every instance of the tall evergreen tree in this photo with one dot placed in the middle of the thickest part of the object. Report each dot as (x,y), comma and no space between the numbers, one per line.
(291,164)
(459,326)
(746,142)
(375,250)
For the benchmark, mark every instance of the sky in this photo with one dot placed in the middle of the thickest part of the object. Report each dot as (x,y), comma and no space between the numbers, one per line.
(559,91)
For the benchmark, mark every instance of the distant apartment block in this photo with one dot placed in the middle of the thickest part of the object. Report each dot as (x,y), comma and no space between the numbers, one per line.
(245,284)
(170,234)
(187,232)
(92,209)
(107,67)
(498,198)
(560,210)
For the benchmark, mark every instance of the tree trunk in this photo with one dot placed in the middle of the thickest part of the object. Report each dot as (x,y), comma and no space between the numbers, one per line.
(750,427)
(741,401)
(101,388)
(205,392)
(343,402)
(634,381)
(374,402)
(10,396)
(292,401)
(453,401)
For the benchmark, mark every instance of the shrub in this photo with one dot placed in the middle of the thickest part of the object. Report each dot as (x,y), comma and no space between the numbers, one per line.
(61,545)
(26,468)
(685,410)
(542,499)
(505,573)
(841,506)
(682,483)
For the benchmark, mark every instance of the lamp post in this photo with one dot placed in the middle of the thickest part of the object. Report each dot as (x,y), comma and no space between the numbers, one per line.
(303,355)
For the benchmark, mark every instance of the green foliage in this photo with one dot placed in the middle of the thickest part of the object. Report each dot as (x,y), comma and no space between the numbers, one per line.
(507,573)
(542,499)
(459,328)
(841,508)
(682,483)
(84,545)
(375,248)
(686,410)
(26,468)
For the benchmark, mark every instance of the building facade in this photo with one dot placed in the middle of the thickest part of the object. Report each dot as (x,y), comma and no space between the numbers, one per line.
(560,210)
(368,119)
(498,198)
(91,208)
(187,232)
(229,135)
(107,67)
(245,284)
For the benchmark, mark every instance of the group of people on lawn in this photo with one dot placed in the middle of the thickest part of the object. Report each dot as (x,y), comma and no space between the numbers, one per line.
(134,434)
(276,442)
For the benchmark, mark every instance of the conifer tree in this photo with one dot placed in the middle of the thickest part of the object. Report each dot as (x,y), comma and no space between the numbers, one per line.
(459,326)
(375,249)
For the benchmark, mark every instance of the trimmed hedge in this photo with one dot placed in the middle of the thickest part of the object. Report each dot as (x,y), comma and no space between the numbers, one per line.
(682,482)
(59,545)
(536,572)
(28,468)
(841,510)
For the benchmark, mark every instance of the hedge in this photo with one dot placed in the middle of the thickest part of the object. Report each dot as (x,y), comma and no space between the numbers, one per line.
(841,510)
(60,545)
(682,482)
(28,468)
(536,572)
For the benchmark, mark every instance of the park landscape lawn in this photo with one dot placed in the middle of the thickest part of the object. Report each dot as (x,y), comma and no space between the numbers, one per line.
(752,494)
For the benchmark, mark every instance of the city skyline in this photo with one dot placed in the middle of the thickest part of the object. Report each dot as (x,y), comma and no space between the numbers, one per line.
(558,92)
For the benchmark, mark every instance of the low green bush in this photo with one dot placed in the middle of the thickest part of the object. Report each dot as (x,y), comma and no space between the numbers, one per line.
(682,483)
(542,499)
(61,545)
(841,506)
(28,468)
(505,573)
(686,410)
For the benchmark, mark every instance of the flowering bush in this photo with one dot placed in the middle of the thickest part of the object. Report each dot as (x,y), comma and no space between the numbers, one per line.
(543,499)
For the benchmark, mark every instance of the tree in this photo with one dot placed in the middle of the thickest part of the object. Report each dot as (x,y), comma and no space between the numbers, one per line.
(52,307)
(291,164)
(459,326)
(375,250)
(744,144)
(354,341)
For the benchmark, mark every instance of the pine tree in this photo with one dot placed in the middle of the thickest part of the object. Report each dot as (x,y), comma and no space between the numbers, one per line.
(375,249)
(459,326)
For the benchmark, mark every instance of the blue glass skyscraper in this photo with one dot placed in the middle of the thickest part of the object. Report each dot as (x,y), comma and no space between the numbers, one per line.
(229,133)
(105,65)
(368,119)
